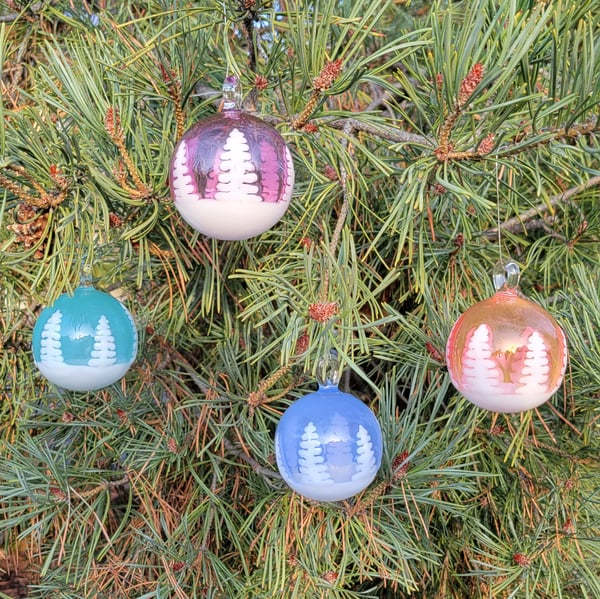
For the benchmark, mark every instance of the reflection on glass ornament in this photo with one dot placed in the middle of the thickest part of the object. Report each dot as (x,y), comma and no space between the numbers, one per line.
(84,341)
(506,353)
(328,444)
(231,174)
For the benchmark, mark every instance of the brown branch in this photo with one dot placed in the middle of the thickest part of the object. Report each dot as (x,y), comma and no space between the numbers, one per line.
(384,132)
(521,221)
(335,238)
(13,16)
(256,467)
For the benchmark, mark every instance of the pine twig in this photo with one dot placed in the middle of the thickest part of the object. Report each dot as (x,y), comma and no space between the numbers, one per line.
(13,16)
(259,397)
(524,221)
(173,84)
(468,85)
(256,467)
(325,79)
(112,124)
(392,134)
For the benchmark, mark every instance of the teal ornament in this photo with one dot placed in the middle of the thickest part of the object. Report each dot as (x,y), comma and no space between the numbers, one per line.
(84,341)
(328,445)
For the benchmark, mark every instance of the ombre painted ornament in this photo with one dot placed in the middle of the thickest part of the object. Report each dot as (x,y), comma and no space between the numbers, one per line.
(328,445)
(231,174)
(84,341)
(506,353)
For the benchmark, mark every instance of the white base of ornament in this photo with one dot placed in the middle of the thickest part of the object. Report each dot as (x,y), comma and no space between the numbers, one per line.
(230,220)
(335,491)
(82,378)
(504,401)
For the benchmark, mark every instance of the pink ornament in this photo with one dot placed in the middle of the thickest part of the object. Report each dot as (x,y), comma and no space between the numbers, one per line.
(231,174)
(506,353)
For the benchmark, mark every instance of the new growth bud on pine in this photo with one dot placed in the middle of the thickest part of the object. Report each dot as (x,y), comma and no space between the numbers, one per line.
(329,73)
(470,83)
(323,311)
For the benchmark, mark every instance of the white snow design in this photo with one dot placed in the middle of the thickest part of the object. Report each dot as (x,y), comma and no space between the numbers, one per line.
(311,462)
(50,347)
(104,352)
(181,180)
(480,371)
(536,366)
(237,179)
(365,458)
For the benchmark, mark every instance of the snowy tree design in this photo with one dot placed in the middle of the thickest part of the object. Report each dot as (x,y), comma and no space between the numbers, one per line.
(104,352)
(536,366)
(50,346)
(237,179)
(274,172)
(181,179)
(365,457)
(479,366)
(311,462)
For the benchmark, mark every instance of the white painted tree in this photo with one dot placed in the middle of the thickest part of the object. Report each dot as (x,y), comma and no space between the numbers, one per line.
(237,179)
(536,366)
(182,181)
(104,352)
(311,462)
(365,458)
(479,368)
(50,347)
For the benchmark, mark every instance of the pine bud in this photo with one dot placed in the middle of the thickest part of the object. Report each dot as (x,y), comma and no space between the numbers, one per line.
(260,82)
(400,465)
(487,144)
(306,243)
(323,311)
(302,344)
(114,220)
(330,172)
(521,560)
(329,73)
(469,83)
(310,128)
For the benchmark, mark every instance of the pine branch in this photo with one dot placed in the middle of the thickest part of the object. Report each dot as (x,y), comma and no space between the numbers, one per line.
(256,467)
(13,16)
(380,131)
(524,221)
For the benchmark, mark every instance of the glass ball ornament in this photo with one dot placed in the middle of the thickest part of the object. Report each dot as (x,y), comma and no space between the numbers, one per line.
(506,353)
(84,341)
(328,444)
(231,175)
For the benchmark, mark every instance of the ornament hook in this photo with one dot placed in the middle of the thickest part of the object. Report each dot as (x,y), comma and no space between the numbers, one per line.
(328,370)
(85,272)
(506,275)
(232,94)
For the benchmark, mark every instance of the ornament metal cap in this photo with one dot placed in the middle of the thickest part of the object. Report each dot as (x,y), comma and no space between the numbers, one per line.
(232,93)
(328,370)
(506,275)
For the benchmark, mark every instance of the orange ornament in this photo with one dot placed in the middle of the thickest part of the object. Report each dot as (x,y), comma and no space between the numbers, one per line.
(506,353)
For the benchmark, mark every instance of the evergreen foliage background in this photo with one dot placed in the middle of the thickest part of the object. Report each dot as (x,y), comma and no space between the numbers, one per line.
(416,129)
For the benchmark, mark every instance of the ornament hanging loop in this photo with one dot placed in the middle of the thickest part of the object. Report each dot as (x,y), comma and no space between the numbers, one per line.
(328,370)
(506,275)
(232,94)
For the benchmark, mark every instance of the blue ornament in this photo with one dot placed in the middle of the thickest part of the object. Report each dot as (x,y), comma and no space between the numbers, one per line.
(328,445)
(84,341)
